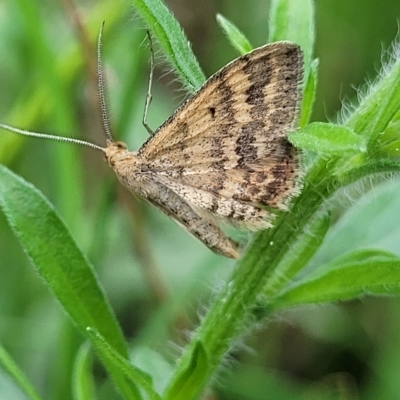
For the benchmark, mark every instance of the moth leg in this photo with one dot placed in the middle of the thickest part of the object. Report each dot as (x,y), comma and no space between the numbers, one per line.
(149,96)
(184,215)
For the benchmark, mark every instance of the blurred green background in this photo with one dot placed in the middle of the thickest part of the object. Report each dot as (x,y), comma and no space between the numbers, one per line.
(158,279)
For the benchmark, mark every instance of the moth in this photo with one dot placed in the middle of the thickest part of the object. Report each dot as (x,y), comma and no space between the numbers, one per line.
(223,156)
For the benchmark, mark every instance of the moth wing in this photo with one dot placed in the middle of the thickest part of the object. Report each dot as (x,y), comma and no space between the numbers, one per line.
(175,206)
(230,137)
(216,208)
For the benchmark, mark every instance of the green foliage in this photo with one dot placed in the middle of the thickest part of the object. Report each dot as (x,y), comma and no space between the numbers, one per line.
(8,364)
(118,366)
(59,262)
(294,21)
(360,273)
(328,139)
(306,258)
(234,35)
(82,381)
(309,93)
(193,378)
(172,41)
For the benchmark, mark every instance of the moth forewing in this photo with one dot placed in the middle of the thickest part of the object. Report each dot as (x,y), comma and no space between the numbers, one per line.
(223,156)
(225,150)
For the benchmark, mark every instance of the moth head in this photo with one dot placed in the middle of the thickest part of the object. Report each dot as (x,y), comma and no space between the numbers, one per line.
(116,152)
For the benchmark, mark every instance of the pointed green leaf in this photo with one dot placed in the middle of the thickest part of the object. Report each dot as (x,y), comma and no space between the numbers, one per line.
(82,380)
(299,255)
(309,94)
(56,257)
(120,365)
(328,139)
(370,168)
(154,364)
(172,40)
(192,378)
(360,273)
(388,144)
(372,222)
(379,105)
(235,35)
(8,364)
(294,21)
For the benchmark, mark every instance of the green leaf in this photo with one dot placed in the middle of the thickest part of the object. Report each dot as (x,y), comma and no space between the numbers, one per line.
(56,257)
(379,105)
(82,380)
(299,255)
(8,364)
(154,364)
(309,94)
(172,40)
(115,363)
(388,143)
(294,21)
(328,139)
(192,378)
(369,168)
(360,273)
(59,262)
(234,35)
(372,222)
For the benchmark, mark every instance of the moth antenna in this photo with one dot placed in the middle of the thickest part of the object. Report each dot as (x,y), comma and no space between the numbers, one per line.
(104,111)
(102,88)
(52,137)
(149,97)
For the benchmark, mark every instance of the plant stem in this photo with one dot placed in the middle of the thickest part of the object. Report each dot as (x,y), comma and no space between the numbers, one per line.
(229,315)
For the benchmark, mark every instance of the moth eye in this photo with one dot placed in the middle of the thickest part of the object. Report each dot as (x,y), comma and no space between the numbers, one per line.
(121,145)
(212,111)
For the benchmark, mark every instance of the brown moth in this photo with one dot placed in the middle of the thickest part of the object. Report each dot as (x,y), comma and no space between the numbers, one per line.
(223,156)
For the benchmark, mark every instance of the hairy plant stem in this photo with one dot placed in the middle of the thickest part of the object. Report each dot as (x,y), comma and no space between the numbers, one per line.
(229,315)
